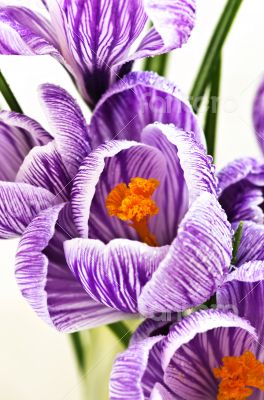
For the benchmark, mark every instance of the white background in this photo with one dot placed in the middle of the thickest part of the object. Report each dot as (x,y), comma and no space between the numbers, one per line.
(35,361)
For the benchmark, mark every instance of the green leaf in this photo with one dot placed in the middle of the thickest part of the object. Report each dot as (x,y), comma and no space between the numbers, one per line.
(213,106)
(8,95)
(236,242)
(78,350)
(121,331)
(213,51)
(157,64)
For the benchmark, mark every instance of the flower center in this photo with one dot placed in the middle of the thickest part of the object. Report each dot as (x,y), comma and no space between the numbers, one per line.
(133,203)
(239,376)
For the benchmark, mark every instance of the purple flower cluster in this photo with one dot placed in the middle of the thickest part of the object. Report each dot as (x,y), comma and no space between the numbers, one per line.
(124,215)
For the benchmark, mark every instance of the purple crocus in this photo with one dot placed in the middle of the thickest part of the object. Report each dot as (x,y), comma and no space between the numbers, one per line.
(138,229)
(241,183)
(97,40)
(212,354)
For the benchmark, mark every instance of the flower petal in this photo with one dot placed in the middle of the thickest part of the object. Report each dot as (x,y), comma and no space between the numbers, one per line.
(258,115)
(67,124)
(96,179)
(140,99)
(24,32)
(113,274)
(197,345)
(18,135)
(19,204)
(240,190)
(196,263)
(43,167)
(243,292)
(46,281)
(129,369)
(251,245)
(173,21)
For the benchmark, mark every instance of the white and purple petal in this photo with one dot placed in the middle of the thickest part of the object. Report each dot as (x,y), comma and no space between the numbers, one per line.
(196,263)
(140,99)
(46,281)
(24,32)
(43,167)
(18,135)
(113,274)
(68,126)
(19,204)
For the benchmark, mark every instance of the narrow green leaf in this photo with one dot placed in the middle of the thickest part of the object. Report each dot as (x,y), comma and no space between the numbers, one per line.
(212,53)
(157,64)
(78,350)
(236,242)
(8,95)
(121,331)
(212,110)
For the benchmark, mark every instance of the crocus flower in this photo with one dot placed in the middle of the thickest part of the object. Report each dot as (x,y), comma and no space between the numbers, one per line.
(212,354)
(97,41)
(241,183)
(139,229)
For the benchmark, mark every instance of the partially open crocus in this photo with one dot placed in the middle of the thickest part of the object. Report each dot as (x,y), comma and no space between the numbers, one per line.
(139,224)
(213,354)
(97,41)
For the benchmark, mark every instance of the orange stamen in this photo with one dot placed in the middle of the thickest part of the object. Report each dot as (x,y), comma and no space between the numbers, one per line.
(133,203)
(239,377)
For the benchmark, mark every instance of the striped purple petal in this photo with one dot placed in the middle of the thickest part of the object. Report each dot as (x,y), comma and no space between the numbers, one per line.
(113,274)
(137,100)
(251,245)
(68,126)
(173,21)
(241,190)
(46,281)
(196,263)
(19,204)
(43,167)
(258,115)
(244,293)
(24,32)
(18,135)
(128,370)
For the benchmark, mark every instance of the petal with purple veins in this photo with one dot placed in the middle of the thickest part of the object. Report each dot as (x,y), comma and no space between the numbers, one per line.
(196,263)
(19,204)
(113,274)
(67,125)
(46,281)
(139,99)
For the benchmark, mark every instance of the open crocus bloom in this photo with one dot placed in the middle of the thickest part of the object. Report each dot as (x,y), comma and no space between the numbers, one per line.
(213,354)
(138,222)
(96,40)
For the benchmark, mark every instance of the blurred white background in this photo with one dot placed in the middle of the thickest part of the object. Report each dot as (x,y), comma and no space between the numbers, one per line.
(37,362)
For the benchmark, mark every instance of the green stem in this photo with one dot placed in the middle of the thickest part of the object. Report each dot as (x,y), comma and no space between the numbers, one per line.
(78,350)
(121,331)
(236,242)
(212,53)
(157,64)
(8,95)
(213,106)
